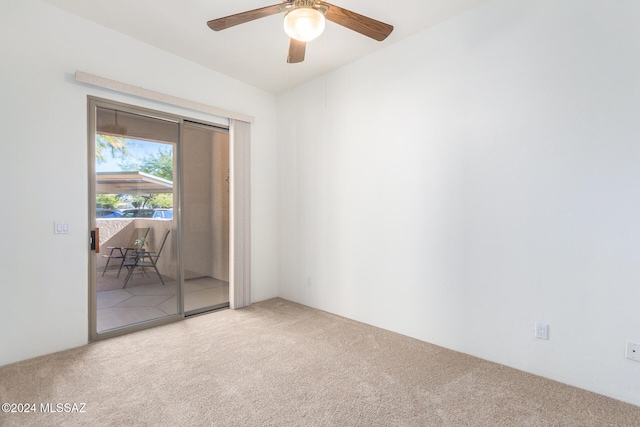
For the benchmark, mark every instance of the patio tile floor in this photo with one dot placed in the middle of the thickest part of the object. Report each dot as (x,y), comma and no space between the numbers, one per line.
(146,298)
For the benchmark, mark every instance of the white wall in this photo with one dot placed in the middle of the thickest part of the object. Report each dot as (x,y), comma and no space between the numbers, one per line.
(481,176)
(43,165)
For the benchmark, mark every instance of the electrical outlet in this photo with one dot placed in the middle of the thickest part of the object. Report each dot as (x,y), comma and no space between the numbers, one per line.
(542,331)
(633,351)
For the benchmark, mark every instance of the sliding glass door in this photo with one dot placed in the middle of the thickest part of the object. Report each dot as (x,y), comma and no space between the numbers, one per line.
(159,208)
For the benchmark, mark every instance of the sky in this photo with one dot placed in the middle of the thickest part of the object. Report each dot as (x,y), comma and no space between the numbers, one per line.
(137,150)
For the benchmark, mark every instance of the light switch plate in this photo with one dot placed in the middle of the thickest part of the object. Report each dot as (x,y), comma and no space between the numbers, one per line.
(61,227)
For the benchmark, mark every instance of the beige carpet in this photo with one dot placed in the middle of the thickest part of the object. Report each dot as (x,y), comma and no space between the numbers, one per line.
(282,364)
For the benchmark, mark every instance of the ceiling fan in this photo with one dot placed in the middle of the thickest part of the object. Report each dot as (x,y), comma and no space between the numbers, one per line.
(304,20)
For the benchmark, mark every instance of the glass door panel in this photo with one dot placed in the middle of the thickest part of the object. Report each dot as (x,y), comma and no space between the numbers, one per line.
(136,271)
(205,217)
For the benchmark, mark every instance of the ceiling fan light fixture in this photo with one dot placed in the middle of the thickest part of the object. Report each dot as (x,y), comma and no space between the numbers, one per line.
(304,24)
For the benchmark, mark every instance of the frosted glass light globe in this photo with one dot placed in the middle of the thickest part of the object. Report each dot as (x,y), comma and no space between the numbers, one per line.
(304,24)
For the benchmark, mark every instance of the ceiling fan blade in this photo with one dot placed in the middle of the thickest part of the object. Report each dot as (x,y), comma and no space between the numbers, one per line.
(241,18)
(367,26)
(296,51)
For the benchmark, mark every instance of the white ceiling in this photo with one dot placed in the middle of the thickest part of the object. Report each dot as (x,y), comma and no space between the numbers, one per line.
(256,52)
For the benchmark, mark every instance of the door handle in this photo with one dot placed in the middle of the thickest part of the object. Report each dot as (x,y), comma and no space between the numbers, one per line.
(95,240)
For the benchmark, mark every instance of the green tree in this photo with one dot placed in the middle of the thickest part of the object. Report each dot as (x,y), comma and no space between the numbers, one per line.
(107,201)
(115,144)
(162,200)
(158,164)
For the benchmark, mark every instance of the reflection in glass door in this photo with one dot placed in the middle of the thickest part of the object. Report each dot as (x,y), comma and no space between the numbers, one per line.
(205,217)
(136,271)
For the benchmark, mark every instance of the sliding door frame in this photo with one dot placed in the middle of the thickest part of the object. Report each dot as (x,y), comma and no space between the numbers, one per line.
(240,213)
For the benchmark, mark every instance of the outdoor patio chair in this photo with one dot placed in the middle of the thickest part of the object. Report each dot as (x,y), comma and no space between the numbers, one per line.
(144,259)
(123,252)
